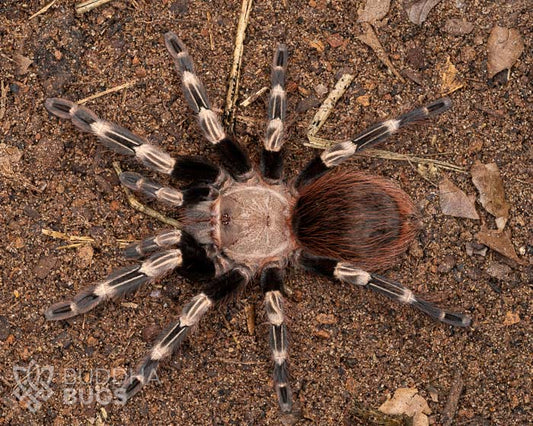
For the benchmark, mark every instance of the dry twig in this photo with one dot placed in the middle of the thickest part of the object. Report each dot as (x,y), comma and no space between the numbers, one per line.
(453,400)
(3,98)
(327,106)
(228,117)
(253,97)
(107,92)
(76,240)
(43,10)
(210,31)
(88,5)
(370,38)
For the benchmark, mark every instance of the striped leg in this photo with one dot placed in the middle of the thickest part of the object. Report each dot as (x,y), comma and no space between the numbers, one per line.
(167,343)
(340,152)
(271,156)
(238,162)
(351,274)
(218,290)
(166,194)
(118,283)
(195,264)
(121,140)
(271,283)
(151,189)
(164,240)
(112,135)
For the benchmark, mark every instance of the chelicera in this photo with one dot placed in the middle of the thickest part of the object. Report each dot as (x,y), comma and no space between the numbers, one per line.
(243,223)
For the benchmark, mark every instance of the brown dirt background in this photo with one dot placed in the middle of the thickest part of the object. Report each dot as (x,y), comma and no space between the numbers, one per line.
(64,181)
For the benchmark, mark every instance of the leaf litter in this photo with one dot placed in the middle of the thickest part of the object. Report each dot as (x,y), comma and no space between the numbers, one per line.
(454,202)
(504,47)
(499,241)
(489,183)
(450,81)
(408,401)
(374,10)
(418,11)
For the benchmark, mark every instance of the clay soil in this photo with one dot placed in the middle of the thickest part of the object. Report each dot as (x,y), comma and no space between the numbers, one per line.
(350,349)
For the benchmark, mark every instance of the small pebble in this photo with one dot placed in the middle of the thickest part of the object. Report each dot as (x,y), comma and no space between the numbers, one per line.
(447,264)
(499,271)
(323,334)
(4,328)
(321,90)
(44,266)
(326,319)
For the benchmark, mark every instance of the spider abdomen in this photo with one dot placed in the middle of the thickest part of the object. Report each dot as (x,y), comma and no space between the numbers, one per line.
(355,217)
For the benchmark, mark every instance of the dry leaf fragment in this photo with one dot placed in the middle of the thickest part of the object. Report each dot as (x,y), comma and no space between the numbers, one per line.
(318,45)
(335,40)
(449,81)
(455,26)
(370,38)
(511,318)
(9,157)
(85,256)
(408,401)
(327,319)
(504,48)
(488,181)
(374,10)
(23,63)
(418,10)
(363,100)
(498,241)
(454,202)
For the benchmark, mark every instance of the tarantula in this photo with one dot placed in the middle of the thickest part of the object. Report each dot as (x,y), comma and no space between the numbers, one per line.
(240,223)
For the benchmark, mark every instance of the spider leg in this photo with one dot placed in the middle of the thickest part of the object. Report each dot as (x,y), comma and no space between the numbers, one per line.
(272,156)
(168,341)
(113,136)
(121,140)
(151,188)
(118,283)
(271,283)
(196,265)
(189,259)
(351,274)
(237,160)
(163,240)
(340,152)
(166,194)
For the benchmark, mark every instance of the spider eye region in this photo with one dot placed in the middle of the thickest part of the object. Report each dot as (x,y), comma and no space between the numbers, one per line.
(253,223)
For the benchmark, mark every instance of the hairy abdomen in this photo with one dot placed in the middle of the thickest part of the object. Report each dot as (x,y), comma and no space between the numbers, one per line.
(351,216)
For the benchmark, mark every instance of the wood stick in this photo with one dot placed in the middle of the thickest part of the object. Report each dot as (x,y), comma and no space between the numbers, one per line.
(453,399)
(88,5)
(106,92)
(228,118)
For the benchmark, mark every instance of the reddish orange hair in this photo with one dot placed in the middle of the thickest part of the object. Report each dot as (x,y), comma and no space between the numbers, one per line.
(351,216)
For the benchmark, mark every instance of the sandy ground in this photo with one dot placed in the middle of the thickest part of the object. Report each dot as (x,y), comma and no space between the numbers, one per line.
(56,179)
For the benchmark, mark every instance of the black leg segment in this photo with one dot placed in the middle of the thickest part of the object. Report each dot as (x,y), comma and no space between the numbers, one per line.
(235,158)
(272,164)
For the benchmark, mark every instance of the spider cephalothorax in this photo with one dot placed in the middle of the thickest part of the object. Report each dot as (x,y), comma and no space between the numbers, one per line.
(240,223)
